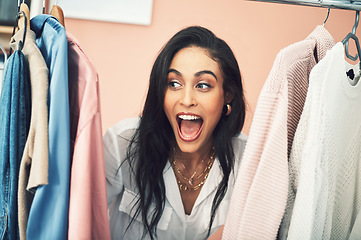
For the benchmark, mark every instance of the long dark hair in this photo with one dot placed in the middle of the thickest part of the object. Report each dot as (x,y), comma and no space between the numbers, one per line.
(149,149)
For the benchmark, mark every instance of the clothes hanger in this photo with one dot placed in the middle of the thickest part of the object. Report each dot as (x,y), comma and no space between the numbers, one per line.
(315,54)
(350,73)
(22,21)
(57,12)
(328,14)
(352,35)
(24,17)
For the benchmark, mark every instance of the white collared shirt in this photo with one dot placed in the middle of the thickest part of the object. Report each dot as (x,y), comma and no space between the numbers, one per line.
(174,223)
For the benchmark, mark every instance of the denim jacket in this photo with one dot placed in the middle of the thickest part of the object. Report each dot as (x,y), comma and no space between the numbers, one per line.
(14,126)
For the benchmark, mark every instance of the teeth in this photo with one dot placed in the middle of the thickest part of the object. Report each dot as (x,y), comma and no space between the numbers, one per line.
(188,117)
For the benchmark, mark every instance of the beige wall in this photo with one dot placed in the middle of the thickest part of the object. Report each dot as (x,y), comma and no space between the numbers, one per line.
(256,31)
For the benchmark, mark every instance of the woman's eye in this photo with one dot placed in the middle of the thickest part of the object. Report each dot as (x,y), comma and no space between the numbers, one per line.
(174,84)
(203,85)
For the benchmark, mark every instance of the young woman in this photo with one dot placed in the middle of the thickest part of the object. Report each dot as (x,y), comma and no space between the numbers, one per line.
(170,172)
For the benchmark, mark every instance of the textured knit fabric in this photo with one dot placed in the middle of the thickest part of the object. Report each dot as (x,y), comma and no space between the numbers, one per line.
(324,42)
(328,152)
(88,211)
(174,223)
(34,162)
(356,230)
(48,217)
(260,195)
(15,106)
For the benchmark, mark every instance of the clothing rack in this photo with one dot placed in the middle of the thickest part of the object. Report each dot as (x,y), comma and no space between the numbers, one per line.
(338,4)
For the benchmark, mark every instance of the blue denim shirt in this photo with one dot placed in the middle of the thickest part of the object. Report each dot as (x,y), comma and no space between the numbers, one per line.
(15,108)
(48,217)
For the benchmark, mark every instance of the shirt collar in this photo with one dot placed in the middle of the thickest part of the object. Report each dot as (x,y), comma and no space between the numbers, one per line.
(37,23)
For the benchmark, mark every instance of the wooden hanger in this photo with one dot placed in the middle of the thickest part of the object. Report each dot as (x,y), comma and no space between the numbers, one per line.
(57,12)
(21,22)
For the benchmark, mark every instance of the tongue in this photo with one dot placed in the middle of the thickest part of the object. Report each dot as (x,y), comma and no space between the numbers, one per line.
(190,128)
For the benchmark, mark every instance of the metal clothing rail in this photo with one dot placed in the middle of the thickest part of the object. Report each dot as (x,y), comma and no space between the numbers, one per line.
(339,4)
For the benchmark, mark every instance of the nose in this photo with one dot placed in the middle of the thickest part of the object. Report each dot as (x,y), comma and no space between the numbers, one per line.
(188,98)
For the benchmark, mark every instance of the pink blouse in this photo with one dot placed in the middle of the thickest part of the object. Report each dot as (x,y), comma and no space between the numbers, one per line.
(88,213)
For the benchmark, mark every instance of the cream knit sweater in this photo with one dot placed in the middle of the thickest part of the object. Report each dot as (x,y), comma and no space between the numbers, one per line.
(260,193)
(326,153)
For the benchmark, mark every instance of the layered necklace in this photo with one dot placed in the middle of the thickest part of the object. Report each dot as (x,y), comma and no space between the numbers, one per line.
(189,181)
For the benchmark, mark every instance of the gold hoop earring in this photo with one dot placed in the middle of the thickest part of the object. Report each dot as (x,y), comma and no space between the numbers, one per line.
(229,109)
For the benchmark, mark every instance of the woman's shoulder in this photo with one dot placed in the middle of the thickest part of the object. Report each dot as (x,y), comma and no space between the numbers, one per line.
(116,142)
(124,127)
(242,137)
(117,138)
(240,140)
(239,144)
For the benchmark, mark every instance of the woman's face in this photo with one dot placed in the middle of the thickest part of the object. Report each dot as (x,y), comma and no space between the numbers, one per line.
(194,98)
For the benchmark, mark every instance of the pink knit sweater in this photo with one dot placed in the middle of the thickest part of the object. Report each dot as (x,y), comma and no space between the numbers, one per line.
(260,192)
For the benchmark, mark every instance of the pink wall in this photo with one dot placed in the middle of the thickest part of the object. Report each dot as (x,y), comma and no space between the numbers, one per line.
(256,31)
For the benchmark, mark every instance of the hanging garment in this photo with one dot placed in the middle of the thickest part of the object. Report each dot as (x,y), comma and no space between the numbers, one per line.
(88,211)
(328,192)
(48,217)
(34,162)
(356,230)
(260,193)
(15,107)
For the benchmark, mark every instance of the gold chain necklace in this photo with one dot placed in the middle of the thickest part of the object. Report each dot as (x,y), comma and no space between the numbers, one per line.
(192,178)
(183,186)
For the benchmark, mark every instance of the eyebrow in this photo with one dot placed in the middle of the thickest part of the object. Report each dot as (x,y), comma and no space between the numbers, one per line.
(174,71)
(206,72)
(197,73)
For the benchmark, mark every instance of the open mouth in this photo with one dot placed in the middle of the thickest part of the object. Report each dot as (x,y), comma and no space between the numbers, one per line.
(189,126)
